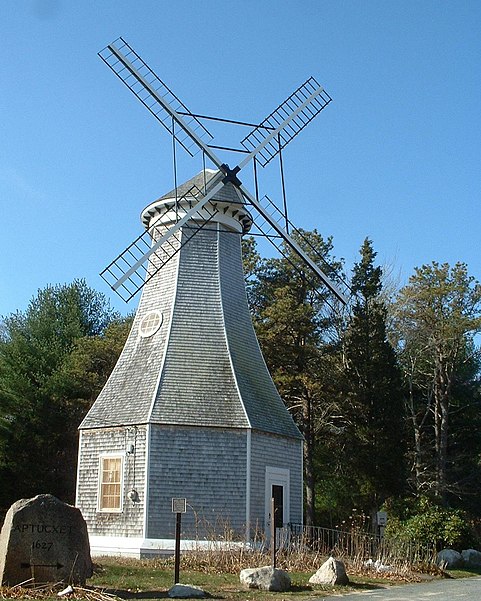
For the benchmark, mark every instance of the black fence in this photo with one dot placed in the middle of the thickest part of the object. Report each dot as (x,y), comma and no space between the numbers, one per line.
(361,547)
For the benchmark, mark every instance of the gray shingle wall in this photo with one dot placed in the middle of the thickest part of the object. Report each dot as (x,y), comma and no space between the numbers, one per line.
(275,451)
(127,396)
(94,443)
(263,404)
(204,355)
(197,385)
(207,466)
(204,340)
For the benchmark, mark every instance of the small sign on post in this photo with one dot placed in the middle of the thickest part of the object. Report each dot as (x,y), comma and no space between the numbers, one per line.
(381,519)
(179,506)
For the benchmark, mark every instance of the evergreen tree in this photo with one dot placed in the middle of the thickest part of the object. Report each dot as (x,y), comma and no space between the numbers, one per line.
(463,464)
(294,326)
(38,419)
(374,448)
(436,318)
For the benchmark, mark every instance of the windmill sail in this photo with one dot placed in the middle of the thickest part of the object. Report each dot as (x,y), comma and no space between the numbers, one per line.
(125,272)
(264,142)
(154,94)
(148,253)
(267,231)
(299,110)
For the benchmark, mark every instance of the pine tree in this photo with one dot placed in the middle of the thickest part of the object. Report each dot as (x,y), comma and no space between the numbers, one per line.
(294,329)
(374,404)
(41,404)
(437,316)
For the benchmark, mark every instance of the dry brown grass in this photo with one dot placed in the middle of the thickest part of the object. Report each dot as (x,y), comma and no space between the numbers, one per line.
(28,590)
(220,564)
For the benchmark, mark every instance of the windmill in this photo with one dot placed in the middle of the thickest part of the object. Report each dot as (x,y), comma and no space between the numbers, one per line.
(190,409)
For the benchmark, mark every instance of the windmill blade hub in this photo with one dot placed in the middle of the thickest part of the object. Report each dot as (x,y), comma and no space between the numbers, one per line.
(231,175)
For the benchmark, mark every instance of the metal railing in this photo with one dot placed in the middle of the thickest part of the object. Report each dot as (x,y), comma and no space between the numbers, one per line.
(354,545)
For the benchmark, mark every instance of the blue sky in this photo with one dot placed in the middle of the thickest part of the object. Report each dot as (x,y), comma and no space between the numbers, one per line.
(395,156)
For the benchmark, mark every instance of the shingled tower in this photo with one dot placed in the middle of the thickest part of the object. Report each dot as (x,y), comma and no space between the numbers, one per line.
(190,410)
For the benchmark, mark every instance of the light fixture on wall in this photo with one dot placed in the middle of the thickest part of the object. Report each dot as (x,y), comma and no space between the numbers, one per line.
(133,495)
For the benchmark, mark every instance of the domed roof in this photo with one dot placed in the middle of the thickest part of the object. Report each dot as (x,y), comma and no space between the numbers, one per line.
(201,181)
(197,187)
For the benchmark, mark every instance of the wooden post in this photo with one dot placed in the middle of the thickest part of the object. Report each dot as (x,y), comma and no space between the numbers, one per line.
(273,534)
(178,520)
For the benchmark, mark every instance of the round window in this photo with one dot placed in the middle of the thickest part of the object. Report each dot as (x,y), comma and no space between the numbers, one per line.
(150,323)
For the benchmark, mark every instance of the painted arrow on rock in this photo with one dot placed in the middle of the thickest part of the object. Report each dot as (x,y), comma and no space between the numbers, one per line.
(42,565)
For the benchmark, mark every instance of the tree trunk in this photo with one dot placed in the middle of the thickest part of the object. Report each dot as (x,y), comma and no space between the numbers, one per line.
(417,420)
(418,453)
(309,485)
(442,392)
(309,477)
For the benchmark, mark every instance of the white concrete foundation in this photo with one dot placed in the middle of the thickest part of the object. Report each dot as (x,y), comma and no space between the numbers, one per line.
(141,548)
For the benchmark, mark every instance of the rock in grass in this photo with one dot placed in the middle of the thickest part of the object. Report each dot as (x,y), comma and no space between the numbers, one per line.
(471,558)
(266,578)
(186,591)
(331,572)
(447,559)
(44,540)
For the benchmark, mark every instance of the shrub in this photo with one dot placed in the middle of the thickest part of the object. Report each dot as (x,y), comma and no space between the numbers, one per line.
(427,523)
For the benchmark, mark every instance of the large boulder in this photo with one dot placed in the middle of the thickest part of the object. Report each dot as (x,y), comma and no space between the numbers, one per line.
(471,558)
(331,572)
(449,559)
(186,591)
(44,540)
(266,578)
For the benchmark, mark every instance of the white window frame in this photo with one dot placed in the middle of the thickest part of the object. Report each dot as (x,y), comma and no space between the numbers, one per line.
(149,315)
(100,477)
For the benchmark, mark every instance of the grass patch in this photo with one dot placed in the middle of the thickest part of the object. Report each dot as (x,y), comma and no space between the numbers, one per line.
(464,573)
(143,579)
(151,579)
(132,575)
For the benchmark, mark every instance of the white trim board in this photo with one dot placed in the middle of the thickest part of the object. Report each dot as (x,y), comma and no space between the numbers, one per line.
(281,477)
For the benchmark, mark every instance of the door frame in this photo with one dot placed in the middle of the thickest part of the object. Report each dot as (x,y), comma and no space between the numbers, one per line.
(277,476)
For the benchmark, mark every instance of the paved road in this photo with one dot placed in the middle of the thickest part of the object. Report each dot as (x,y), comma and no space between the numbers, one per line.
(468,589)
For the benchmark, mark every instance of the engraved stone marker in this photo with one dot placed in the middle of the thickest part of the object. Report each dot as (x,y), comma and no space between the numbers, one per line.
(44,539)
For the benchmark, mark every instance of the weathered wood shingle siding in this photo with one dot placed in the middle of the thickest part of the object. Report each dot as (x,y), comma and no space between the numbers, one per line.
(275,451)
(200,388)
(127,396)
(94,444)
(203,366)
(207,466)
(262,402)
(197,385)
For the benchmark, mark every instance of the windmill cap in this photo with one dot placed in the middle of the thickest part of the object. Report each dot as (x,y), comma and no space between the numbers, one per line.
(228,201)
